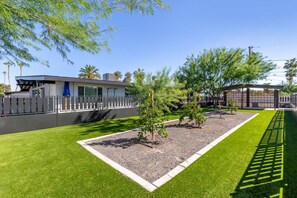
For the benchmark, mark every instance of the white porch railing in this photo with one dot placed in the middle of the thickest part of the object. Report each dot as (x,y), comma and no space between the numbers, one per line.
(35,105)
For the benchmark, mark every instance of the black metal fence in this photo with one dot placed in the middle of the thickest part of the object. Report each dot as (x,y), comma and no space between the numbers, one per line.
(260,99)
(253,98)
(36,105)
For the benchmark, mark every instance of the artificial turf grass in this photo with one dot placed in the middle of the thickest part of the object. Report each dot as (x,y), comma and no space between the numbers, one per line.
(218,172)
(290,157)
(50,163)
(264,174)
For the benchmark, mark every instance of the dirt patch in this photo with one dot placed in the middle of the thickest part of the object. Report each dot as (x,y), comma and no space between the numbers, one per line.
(152,160)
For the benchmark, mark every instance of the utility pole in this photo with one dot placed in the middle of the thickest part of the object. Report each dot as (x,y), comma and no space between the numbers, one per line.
(250,50)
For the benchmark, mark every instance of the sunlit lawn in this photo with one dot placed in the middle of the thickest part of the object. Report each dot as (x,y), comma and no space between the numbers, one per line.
(49,163)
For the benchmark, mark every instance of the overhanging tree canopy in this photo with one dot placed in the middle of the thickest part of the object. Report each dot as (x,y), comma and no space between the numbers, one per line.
(59,25)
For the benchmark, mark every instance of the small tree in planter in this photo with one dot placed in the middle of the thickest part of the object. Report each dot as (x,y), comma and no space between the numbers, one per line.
(155,94)
(232,106)
(151,119)
(194,112)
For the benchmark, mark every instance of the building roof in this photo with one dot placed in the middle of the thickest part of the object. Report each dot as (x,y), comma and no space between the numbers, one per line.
(25,82)
(263,86)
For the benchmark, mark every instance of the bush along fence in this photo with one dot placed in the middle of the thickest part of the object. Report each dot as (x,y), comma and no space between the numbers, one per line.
(56,104)
(293,100)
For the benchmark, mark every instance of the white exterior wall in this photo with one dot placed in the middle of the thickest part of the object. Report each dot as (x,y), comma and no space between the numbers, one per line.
(52,88)
(58,88)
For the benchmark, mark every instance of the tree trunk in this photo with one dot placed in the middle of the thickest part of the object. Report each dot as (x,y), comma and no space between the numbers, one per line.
(8,74)
(153,136)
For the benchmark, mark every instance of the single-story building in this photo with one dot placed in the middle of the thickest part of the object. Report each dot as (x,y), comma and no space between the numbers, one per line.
(46,86)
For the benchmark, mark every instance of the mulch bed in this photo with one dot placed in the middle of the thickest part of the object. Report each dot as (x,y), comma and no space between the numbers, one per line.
(152,160)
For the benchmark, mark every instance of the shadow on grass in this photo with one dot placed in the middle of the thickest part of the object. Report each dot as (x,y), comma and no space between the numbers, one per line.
(264,176)
(290,171)
(109,126)
(118,125)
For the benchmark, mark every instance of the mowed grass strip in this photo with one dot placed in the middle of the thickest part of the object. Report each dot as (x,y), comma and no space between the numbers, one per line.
(49,163)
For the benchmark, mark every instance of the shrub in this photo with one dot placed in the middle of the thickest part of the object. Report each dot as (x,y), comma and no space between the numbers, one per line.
(193,111)
(232,106)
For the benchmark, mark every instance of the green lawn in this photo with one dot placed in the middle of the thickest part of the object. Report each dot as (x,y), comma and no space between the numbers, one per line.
(49,163)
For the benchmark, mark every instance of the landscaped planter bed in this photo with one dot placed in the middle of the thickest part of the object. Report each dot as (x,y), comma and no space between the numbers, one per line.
(153,160)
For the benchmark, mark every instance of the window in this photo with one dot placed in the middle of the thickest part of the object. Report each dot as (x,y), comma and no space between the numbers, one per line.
(81,91)
(99,91)
(89,91)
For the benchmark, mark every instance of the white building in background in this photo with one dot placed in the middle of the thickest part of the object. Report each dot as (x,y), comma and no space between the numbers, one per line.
(47,86)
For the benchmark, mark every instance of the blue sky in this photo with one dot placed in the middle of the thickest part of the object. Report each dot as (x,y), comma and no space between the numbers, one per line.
(188,27)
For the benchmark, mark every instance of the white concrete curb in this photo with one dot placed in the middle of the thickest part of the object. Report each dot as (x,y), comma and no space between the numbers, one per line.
(164,179)
(145,184)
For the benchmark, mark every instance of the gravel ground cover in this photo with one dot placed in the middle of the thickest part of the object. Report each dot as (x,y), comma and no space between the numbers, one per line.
(151,160)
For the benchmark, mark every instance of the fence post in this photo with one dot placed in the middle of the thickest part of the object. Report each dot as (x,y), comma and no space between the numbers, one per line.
(225,98)
(242,98)
(276,99)
(248,97)
(1,106)
(57,110)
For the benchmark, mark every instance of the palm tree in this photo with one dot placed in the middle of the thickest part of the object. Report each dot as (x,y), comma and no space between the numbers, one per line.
(291,69)
(139,75)
(21,65)
(89,72)
(118,75)
(4,74)
(8,63)
(128,77)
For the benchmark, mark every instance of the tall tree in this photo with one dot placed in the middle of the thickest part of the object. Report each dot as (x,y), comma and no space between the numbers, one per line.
(4,84)
(4,89)
(29,24)
(21,65)
(215,69)
(118,75)
(291,70)
(1,90)
(128,77)
(89,72)
(156,94)
(9,64)
(139,75)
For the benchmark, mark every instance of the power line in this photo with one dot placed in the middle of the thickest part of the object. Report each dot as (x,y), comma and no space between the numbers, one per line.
(279,60)
(277,44)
